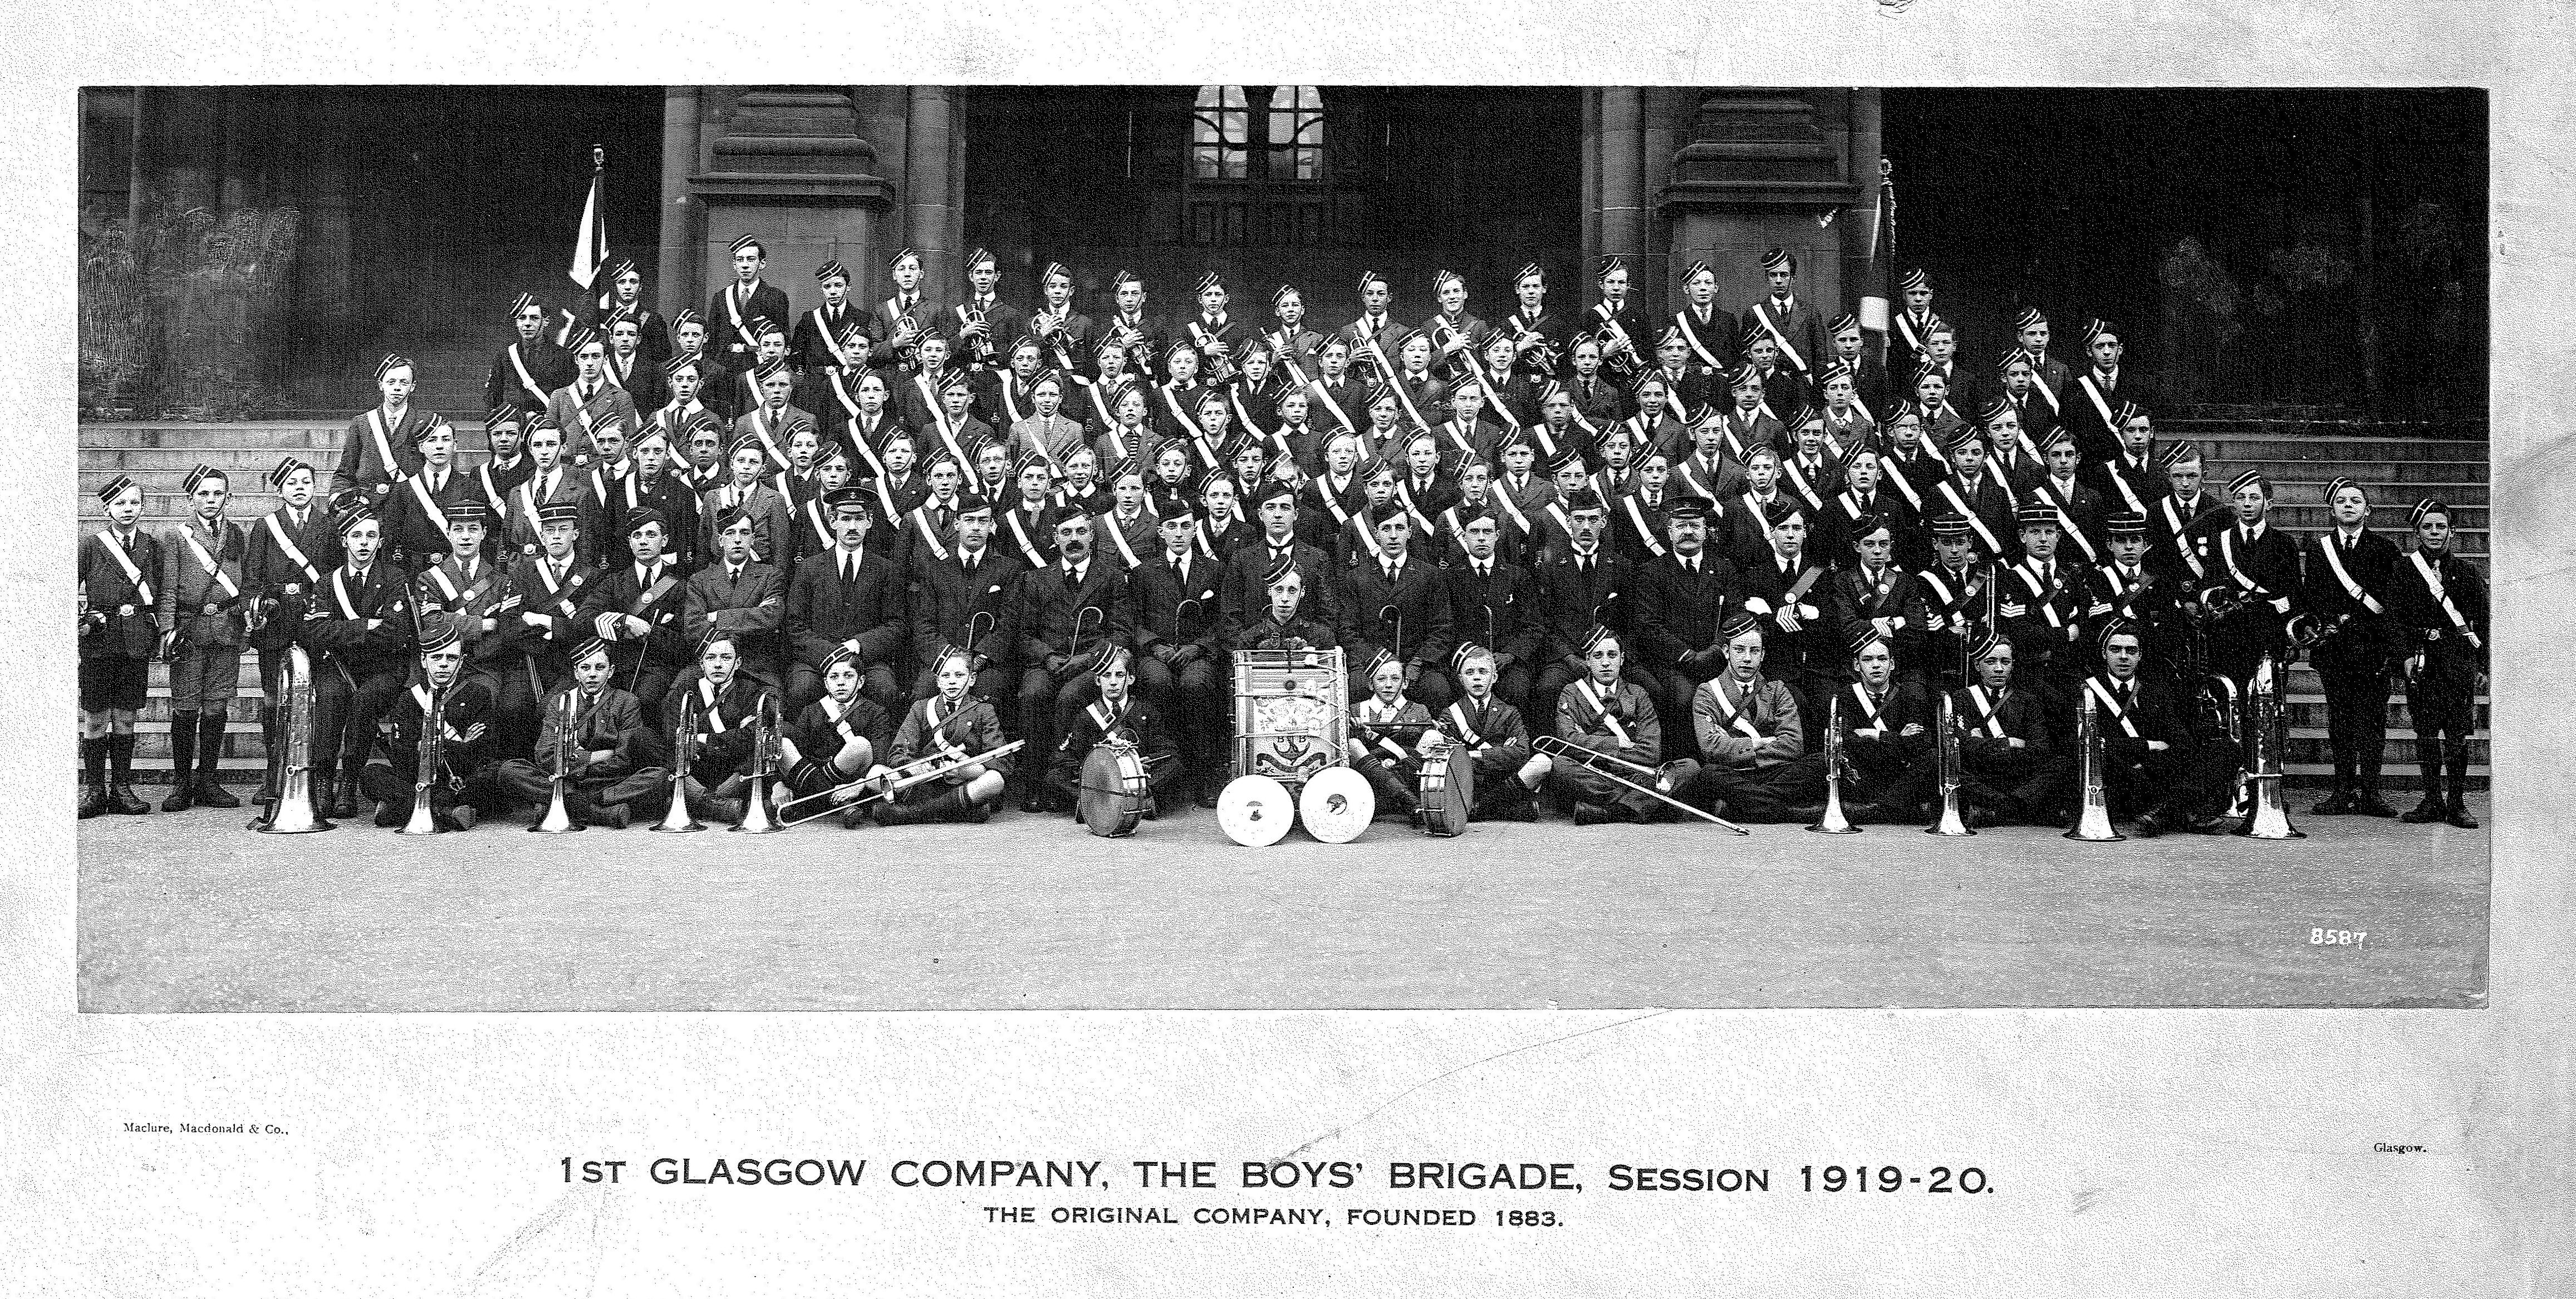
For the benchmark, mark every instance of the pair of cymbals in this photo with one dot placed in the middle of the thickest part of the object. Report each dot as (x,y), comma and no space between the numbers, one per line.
(1256,811)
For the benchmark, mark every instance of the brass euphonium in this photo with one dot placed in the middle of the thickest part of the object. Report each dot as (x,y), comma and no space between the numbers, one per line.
(2230,707)
(677,820)
(2093,817)
(2266,817)
(1833,821)
(1946,749)
(756,818)
(558,817)
(429,757)
(292,763)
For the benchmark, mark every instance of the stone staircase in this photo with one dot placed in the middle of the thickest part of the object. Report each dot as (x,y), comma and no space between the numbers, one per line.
(2300,455)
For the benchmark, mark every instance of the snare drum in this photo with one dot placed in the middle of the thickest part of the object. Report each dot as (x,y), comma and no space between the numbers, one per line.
(1114,790)
(1447,793)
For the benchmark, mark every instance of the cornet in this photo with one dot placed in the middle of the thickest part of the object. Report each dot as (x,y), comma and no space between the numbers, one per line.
(677,820)
(764,768)
(558,818)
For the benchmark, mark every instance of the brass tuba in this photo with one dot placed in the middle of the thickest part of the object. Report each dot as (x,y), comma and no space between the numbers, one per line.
(291,765)
(2093,816)
(558,818)
(2265,817)
(1833,821)
(1945,747)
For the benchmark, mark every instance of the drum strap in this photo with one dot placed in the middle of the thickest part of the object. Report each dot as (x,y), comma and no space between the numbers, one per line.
(1467,733)
(840,717)
(714,716)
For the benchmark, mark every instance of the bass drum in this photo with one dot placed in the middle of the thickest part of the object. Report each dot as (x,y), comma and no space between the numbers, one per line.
(1447,792)
(1112,798)
(1337,805)
(1255,811)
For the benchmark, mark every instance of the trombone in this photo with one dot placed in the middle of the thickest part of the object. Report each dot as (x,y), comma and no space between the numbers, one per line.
(1602,764)
(677,820)
(919,771)
(558,818)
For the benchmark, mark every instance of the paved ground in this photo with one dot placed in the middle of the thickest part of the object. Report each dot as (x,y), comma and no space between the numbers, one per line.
(189,912)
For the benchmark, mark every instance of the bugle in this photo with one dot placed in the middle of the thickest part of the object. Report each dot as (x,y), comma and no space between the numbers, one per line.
(1946,750)
(431,754)
(764,768)
(677,819)
(1602,764)
(2093,815)
(1833,820)
(558,818)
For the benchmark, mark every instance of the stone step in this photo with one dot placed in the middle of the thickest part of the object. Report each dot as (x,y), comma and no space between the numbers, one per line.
(285,435)
(2379,477)
(2311,515)
(2234,446)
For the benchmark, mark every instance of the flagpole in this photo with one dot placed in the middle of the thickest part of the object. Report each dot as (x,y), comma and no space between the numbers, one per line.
(1875,308)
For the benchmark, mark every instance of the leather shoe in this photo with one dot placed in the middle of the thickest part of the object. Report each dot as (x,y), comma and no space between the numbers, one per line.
(2150,825)
(93,801)
(2426,813)
(1591,814)
(182,796)
(611,816)
(2458,814)
(2338,803)
(121,800)
(210,794)
(2370,804)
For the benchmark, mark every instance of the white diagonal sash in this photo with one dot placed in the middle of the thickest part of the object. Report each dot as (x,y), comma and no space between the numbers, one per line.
(285,543)
(1637,516)
(1782,340)
(1734,718)
(527,380)
(205,560)
(2334,560)
(133,575)
(2442,596)
(1591,696)
(2093,686)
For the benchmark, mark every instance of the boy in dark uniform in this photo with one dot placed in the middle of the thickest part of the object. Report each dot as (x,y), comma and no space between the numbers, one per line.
(838,738)
(525,373)
(379,448)
(1249,574)
(1495,603)
(415,515)
(2438,603)
(2150,762)
(1113,714)
(551,584)
(2042,607)
(2348,572)
(1508,775)
(361,628)
(1398,603)
(1605,713)
(1886,735)
(2258,567)
(463,706)
(1786,319)
(732,313)
(850,597)
(203,595)
(1283,623)
(1752,738)
(635,606)
(723,707)
(608,753)
(963,724)
(120,573)
(2012,769)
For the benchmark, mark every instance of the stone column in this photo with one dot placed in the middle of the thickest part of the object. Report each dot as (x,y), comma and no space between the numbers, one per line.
(1623,210)
(929,216)
(1760,170)
(676,276)
(788,165)
(1591,198)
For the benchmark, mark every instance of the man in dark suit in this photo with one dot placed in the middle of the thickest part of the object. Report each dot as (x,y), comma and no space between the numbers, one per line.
(969,599)
(1180,660)
(1583,584)
(739,596)
(1245,594)
(850,595)
(635,604)
(2152,765)
(1400,605)
(1495,604)
(624,301)
(734,309)
(1069,612)
(415,513)
(822,343)
(1886,733)
(2014,770)
(1682,599)
(1872,589)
